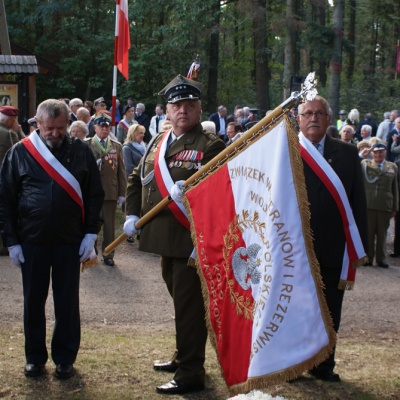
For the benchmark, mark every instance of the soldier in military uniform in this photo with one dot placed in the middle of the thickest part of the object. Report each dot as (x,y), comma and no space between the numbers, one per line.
(380,178)
(108,154)
(171,157)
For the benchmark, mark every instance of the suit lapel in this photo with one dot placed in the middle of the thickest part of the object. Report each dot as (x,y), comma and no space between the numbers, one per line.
(331,151)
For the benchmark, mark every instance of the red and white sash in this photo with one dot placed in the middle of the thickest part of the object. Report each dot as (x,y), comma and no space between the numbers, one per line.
(165,182)
(354,249)
(54,168)
(124,124)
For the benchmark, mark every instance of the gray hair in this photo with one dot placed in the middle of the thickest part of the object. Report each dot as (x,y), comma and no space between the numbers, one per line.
(141,106)
(75,102)
(386,115)
(3,117)
(80,125)
(321,99)
(52,108)
(368,128)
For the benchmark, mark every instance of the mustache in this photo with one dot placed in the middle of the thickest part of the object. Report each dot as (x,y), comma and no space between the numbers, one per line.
(313,124)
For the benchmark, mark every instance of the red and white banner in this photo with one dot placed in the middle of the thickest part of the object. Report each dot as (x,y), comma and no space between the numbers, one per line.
(266,313)
(122,38)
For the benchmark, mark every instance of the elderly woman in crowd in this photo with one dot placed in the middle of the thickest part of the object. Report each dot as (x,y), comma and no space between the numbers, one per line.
(133,150)
(78,129)
(125,123)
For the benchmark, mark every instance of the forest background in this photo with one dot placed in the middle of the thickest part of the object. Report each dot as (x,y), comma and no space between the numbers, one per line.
(249,49)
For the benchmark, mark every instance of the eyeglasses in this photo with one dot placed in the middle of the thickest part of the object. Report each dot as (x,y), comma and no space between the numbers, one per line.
(310,114)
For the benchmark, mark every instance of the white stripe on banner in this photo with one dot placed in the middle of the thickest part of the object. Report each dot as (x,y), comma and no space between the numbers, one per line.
(287,313)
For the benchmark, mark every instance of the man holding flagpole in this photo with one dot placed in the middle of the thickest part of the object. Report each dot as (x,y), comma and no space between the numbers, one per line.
(50,202)
(171,157)
(337,200)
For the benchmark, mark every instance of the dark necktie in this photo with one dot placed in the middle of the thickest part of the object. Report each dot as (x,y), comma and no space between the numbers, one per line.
(157,122)
(103,143)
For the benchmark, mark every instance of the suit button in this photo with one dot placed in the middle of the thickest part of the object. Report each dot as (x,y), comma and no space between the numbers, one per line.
(153,189)
(150,202)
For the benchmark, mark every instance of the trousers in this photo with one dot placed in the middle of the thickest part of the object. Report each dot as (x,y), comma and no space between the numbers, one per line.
(61,264)
(183,284)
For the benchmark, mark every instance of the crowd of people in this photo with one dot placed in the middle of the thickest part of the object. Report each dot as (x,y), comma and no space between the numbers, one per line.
(62,183)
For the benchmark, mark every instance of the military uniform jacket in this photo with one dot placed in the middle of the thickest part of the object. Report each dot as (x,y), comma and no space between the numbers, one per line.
(7,139)
(381,186)
(165,235)
(111,166)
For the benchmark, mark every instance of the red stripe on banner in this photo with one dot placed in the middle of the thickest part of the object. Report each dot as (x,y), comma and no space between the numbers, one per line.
(178,214)
(53,174)
(334,193)
(232,331)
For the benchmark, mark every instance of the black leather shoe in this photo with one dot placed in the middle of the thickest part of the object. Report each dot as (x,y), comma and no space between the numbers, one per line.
(383,265)
(130,239)
(167,366)
(368,264)
(64,371)
(394,255)
(109,262)
(33,370)
(174,387)
(327,376)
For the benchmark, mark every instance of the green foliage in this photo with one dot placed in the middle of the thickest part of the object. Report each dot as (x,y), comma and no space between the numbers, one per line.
(165,36)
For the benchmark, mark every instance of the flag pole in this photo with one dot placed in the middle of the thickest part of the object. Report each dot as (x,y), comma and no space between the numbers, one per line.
(115,70)
(307,94)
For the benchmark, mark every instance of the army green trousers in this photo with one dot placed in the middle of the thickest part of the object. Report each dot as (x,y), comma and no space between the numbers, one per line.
(378,224)
(183,284)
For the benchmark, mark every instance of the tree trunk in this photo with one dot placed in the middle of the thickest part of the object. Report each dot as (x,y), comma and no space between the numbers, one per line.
(290,47)
(335,64)
(321,12)
(214,54)
(352,39)
(260,53)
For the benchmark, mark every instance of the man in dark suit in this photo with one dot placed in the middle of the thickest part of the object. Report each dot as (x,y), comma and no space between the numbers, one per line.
(219,119)
(175,156)
(326,221)
(143,119)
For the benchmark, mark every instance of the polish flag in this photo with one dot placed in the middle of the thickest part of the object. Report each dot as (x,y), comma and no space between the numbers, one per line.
(266,313)
(122,38)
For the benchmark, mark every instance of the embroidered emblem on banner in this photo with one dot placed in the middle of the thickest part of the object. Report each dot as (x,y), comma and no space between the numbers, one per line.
(245,262)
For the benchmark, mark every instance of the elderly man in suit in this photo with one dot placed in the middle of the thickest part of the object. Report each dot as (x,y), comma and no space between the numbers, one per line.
(380,178)
(326,222)
(108,154)
(175,156)
(219,119)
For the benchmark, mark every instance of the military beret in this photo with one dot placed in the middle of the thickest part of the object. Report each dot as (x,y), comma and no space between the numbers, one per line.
(9,110)
(181,88)
(102,118)
(126,108)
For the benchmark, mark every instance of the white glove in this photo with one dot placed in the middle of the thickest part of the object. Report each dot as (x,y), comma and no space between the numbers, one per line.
(16,255)
(129,225)
(177,191)
(120,200)
(87,246)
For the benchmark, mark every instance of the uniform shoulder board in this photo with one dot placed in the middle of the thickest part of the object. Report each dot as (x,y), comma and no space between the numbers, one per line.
(211,135)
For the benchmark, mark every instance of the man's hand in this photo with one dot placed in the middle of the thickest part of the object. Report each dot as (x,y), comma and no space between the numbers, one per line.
(16,255)
(87,246)
(129,225)
(120,200)
(177,191)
